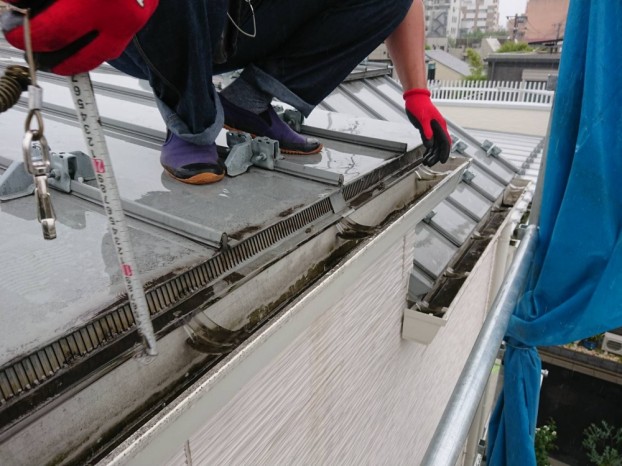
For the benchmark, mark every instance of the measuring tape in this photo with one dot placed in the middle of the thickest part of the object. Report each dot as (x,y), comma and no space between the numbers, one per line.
(86,107)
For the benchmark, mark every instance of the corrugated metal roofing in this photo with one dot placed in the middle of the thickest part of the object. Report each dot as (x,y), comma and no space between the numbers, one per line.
(482,185)
(67,293)
(238,207)
(521,150)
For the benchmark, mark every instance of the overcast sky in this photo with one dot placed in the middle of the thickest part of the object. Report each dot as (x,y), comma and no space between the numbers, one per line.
(510,8)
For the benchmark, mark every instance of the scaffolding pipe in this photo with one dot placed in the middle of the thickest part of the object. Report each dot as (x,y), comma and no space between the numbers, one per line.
(453,428)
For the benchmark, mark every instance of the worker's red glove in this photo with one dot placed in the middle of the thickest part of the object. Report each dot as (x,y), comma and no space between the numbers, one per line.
(427,119)
(73,36)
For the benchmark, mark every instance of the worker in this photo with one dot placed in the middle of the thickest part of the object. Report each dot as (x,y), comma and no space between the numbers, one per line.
(297,51)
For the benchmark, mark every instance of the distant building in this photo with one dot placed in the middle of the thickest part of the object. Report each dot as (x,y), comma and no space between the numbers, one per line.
(446,66)
(442,18)
(530,67)
(449,19)
(479,15)
(546,20)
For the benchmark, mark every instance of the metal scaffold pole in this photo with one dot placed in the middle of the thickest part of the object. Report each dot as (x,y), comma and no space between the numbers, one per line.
(453,428)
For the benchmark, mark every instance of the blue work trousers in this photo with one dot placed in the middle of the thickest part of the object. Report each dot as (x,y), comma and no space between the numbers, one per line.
(302,51)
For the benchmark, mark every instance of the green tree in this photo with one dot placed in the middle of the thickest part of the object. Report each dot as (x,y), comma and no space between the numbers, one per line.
(476,64)
(546,436)
(603,444)
(510,46)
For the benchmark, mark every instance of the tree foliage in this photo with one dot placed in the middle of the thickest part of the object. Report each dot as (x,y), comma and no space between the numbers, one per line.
(510,46)
(476,64)
(603,444)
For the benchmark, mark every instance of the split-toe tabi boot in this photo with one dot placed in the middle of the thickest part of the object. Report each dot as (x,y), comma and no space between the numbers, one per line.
(190,163)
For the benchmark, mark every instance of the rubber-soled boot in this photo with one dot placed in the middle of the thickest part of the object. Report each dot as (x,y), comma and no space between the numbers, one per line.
(190,163)
(270,125)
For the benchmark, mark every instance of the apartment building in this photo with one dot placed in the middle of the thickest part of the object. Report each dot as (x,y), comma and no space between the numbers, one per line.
(442,18)
(482,15)
(453,18)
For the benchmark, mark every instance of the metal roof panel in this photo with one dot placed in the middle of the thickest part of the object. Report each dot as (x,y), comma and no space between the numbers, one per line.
(475,204)
(48,287)
(432,251)
(453,222)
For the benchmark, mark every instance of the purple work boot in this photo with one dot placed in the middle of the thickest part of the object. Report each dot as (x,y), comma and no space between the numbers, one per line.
(270,125)
(190,163)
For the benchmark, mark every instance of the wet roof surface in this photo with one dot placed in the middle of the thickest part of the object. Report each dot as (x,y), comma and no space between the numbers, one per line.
(53,286)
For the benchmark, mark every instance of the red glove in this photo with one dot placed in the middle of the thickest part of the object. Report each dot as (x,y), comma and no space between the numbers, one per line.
(73,36)
(427,119)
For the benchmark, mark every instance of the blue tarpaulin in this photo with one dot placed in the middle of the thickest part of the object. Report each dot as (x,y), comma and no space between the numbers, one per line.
(574,289)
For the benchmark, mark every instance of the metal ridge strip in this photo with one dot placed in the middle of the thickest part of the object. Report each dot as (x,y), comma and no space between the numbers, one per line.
(178,225)
(368,108)
(368,73)
(376,143)
(392,103)
(152,139)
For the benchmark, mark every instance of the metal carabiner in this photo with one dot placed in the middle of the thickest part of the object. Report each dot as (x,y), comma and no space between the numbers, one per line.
(39,168)
(38,165)
(45,210)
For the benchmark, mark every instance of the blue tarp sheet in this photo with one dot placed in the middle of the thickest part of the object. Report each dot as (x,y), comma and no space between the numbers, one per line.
(574,289)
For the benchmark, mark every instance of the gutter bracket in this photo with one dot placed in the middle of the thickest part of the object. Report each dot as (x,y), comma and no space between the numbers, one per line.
(337,202)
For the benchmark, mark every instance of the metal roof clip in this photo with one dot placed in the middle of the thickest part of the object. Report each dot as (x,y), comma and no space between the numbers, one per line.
(468,176)
(68,166)
(459,145)
(428,218)
(491,148)
(246,152)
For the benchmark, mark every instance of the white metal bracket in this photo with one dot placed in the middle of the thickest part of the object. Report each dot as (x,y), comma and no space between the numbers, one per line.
(491,148)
